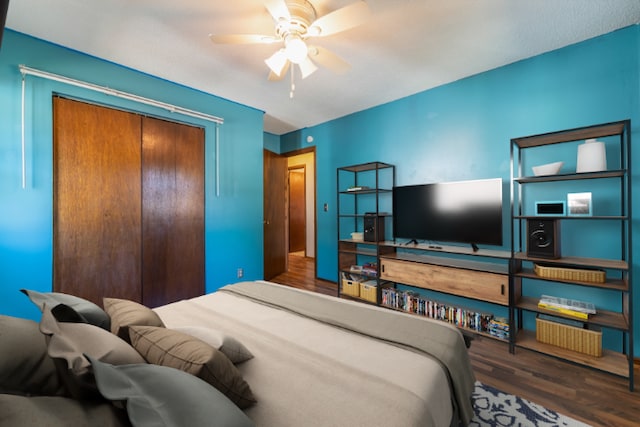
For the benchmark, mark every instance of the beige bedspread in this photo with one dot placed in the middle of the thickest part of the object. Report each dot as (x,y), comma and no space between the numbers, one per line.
(316,363)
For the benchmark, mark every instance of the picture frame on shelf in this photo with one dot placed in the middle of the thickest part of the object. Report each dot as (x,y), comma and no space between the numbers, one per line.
(579,204)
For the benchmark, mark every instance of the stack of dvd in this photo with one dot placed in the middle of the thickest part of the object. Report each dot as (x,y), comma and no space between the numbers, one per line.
(412,302)
(499,328)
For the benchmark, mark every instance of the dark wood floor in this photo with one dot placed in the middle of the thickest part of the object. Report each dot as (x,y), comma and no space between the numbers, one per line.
(593,397)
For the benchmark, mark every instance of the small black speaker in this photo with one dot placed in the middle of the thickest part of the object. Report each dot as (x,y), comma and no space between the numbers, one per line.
(543,238)
(373,227)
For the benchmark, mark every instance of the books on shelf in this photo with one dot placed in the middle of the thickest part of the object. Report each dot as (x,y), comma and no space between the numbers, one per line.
(571,304)
(567,307)
(413,302)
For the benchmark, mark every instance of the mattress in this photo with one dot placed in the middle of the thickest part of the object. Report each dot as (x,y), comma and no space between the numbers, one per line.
(324,361)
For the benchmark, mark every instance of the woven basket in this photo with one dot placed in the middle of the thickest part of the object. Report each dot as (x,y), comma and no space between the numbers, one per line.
(562,273)
(369,292)
(351,288)
(569,337)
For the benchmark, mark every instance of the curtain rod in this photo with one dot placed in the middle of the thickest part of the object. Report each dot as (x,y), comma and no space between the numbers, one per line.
(108,91)
(24,70)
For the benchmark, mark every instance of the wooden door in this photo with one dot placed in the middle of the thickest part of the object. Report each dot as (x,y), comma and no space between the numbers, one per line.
(97,212)
(172,211)
(297,210)
(128,205)
(275,214)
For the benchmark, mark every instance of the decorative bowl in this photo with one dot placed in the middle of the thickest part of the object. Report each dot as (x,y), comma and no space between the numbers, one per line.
(547,169)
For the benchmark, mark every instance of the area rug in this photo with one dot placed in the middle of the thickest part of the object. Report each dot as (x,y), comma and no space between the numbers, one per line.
(493,408)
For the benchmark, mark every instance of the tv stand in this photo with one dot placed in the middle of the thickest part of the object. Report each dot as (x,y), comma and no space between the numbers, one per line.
(475,273)
(474,247)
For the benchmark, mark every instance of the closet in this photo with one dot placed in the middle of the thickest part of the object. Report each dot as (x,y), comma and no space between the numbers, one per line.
(128,208)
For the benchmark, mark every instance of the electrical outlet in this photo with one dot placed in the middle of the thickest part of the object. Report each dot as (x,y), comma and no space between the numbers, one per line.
(240,273)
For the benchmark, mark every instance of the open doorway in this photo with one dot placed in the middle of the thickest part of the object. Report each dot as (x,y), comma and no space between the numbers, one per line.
(297,210)
(301,204)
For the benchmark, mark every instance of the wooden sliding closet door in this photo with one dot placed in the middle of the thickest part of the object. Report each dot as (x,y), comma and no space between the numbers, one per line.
(128,205)
(97,191)
(172,211)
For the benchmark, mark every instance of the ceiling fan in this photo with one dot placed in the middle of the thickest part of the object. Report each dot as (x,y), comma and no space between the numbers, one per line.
(296,21)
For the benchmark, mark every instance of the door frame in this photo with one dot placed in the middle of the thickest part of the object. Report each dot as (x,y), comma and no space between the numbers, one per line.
(294,153)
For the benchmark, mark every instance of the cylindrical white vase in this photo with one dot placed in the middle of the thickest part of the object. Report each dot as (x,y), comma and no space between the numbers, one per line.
(592,156)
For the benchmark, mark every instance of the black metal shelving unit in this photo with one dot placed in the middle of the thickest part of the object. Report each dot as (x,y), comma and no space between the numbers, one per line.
(363,199)
(525,282)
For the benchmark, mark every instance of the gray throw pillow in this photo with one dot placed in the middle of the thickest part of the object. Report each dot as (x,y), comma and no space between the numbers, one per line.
(56,411)
(87,310)
(25,366)
(162,396)
(231,347)
(68,342)
(174,349)
(125,313)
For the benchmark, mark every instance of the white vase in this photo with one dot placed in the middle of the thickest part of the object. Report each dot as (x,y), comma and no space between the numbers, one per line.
(592,156)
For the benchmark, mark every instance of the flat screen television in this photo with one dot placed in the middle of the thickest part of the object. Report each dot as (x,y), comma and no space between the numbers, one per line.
(462,212)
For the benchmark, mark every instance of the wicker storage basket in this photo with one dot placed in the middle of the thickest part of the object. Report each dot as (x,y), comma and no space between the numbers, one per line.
(562,273)
(351,287)
(569,337)
(369,292)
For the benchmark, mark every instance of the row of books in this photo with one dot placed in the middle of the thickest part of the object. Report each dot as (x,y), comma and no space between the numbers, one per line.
(412,302)
(568,307)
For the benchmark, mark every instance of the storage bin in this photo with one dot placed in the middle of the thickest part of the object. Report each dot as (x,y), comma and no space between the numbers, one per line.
(350,287)
(562,273)
(569,337)
(369,292)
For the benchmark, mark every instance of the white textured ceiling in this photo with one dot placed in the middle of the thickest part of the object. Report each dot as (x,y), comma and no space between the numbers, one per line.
(407,46)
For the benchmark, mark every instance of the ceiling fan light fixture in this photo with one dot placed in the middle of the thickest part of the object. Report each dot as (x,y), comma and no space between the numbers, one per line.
(307,68)
(277,62)
(296,49)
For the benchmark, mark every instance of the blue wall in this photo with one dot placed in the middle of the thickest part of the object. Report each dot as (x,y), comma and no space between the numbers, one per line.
(462,130)
(233,219)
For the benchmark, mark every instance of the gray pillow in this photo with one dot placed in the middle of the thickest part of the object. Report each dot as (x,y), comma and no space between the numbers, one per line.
(87,310)
(56,411)
(162,396)
(68,342)
(231,347)
(25,366)
(124,313)
(174,349)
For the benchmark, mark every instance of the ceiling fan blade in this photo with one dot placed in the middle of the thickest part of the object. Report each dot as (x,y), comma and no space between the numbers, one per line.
(278,9)
(340,20)
(307,67)
(242,38)
(273,77)
(328,59)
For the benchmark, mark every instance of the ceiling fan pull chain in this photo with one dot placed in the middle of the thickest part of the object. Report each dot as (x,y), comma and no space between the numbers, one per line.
(293,85)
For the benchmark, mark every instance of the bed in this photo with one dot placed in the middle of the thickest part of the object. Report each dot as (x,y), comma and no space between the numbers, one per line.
(311,360)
